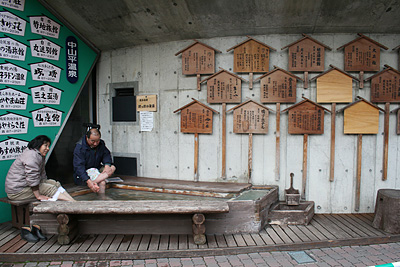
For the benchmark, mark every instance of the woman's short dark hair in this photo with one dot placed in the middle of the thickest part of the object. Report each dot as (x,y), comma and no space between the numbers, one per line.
(38,141)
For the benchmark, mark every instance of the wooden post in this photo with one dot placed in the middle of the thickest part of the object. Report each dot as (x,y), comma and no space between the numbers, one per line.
(199,229)
(223,176)
(306,80)
(333,137)
(250,80)
(196,157)
(67,229)
(250,155)
(278,142)
(198,82)
(361,79)
(358,178)
(385,143)
(305,148)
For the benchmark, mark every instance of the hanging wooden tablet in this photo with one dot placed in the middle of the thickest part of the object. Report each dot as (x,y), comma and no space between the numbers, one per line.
(196,118)
(224,87)
(252,118)
(305,117)
(306,55)
(363,55)
(385,87)
(197,59)
(334,86)
(278,86)
(251,56)
(360,117)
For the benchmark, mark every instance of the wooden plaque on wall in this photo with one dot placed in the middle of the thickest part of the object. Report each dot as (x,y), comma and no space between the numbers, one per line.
(306,118)
(224,87)
(198,58)
(306,55)
(196,118)
(278,86)
(251,56)
(361,118)
(385,87)
(334,87)
(250,117)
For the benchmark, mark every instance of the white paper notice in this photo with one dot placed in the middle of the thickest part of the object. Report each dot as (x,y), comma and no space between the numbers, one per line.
(146,121)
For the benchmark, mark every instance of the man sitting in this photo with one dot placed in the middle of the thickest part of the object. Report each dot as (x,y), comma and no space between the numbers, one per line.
(92,161)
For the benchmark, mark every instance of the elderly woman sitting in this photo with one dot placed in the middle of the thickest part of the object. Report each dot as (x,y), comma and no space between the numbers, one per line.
(27,178)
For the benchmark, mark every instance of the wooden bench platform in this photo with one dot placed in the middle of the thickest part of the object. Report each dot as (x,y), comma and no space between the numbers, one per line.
(20,211)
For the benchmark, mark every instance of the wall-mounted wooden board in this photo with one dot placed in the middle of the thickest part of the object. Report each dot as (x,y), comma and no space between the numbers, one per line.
(385,88)
(362,55)
(250,118)
(252,57)
(306,119)
(334,87)
(224,88)
(196,119)
(198,59)
(361,118)
(306,55)
(278,87)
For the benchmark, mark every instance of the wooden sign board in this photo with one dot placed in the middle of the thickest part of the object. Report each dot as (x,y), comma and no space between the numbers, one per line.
(385,87)
(361,118)
(251,57)
(146,103)
(334,87)
(278,87)
(306,55)
(361,55)
(196,119)
(224,88)
(198,59)
(306,118)
(250,118)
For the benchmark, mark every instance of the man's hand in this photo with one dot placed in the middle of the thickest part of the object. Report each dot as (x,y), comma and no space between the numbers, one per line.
(108,170)
(93,186)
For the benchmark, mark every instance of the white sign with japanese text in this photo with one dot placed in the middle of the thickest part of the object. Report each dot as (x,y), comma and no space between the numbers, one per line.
(45,117)
(43,25)
(13,99)
(14,4)
(46,94)
(9,23)
(45,71)
(12,49)
(146,121)
(44,48)
(12,74)
(12,148)
(13,124)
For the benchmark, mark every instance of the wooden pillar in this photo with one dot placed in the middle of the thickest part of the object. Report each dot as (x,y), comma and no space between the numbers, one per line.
(199,229)
(305,149)
(223,175)
(358,174)
(250,163)
(196,157)
(385,142)
(333,137)
(67,229)
(278,143)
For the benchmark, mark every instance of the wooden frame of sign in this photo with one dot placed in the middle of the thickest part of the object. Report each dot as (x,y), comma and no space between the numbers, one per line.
(306,55)
(362,54)
(251,56)
(385,86)
(198,58)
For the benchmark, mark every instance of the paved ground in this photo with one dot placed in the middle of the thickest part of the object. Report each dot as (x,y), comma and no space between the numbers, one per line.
(339,256)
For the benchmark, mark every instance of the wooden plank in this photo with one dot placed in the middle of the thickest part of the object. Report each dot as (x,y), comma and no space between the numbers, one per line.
(5,226)
(291,234)
(173,242)
(282,234)
(10,243)
(341,225)
(164,242)
(369,223)
(50,242)
(77,243)
(196,156)
(315,232)
(358,224)
(278,142)
(248,239)
(182,242)
(106,243)
(211,242)
(385,142)
(97,243)
(257,239)
(307,232)
(36,246)
(354,231)
(223,172)
(221,241)
(115,243)
(135,243)
(8,235)
(305,158)
(87,243)
(239,240)
(154,242)
(361,118)
(299,233)
(230,241)
(27,246)
(334,87)
(321,229)
(193,245)
(144,243)
(266,238)
(369,216)
(125,242)
(16,246)
(358,173)
(274,236)
(331,227)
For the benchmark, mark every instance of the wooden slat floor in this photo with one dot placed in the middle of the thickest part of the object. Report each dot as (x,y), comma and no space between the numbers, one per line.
(323,231)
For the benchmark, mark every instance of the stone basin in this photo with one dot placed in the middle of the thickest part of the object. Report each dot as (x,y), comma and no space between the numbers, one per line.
(295,215)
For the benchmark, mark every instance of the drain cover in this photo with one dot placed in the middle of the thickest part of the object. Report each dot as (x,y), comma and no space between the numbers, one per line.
(301,257)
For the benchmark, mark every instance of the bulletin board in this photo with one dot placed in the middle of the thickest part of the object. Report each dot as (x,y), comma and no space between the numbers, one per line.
(43,67)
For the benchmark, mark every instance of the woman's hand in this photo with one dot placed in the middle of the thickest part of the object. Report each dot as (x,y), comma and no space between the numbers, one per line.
(42,197)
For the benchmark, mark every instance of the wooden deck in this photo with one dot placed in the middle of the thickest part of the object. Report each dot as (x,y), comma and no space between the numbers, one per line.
(323,231)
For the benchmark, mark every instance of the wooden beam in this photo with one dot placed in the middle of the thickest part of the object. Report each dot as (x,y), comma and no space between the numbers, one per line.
(305,149)
(278,142)
(196,157)
(223,174)
(250,162)
(333,137)
(358,173)
(385,143)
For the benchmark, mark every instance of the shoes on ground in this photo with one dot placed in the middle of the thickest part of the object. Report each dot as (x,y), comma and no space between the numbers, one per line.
(27,235)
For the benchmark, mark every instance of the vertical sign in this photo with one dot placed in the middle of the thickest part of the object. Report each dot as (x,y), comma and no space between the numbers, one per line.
(72,59)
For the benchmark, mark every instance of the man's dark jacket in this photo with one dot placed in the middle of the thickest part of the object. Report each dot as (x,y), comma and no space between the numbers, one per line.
(86,158)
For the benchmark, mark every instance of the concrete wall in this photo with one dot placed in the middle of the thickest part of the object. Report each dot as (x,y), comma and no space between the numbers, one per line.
(167,153)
